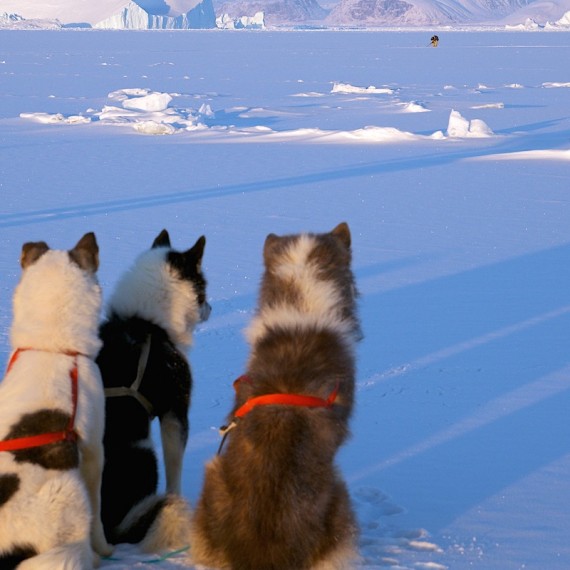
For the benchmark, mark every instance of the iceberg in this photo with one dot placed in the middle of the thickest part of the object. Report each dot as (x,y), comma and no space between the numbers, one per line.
(117,14)
(255,22)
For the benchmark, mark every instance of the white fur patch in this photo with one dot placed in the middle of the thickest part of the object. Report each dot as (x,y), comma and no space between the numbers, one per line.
(320,303)
(152,291)
(57,307)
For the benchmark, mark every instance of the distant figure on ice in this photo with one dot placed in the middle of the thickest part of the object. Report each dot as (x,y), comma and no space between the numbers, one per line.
(434,41)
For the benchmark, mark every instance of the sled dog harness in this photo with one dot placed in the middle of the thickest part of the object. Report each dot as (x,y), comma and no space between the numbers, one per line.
(300,400)
(133,389)
(68,434)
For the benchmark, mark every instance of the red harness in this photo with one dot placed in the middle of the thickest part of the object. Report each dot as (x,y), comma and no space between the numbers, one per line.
(274,400)
(68,434)
(283,400)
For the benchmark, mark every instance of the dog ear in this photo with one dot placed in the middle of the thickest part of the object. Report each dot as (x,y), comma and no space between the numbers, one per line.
(161,240)
(196,252)
(86,253)
(269,248)
(31,252)
(342,232)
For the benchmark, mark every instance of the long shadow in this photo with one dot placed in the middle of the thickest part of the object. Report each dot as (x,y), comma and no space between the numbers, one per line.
(472,410)
(394,165)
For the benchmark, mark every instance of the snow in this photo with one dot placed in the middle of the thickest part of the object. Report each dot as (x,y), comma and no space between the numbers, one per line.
(460,454)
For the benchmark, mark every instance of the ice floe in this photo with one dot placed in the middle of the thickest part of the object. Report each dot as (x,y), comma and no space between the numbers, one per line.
(460,127)
(153,113)
(346,88)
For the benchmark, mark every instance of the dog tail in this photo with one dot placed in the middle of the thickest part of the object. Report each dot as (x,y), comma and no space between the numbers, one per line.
(73,556)
(157,523)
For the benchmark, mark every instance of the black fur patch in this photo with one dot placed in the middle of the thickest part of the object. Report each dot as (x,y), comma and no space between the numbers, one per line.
(11,559)
(187,266)
(130,474)
(61,455)
(9,485)
(131,469)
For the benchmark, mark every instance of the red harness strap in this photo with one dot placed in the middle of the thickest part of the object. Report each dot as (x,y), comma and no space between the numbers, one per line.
(69,434)
(284,400)
(274,400)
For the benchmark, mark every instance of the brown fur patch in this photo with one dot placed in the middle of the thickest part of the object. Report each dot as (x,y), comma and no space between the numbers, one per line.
(61,455)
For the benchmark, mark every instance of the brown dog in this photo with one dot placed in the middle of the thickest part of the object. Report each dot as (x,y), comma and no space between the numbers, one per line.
(274,500)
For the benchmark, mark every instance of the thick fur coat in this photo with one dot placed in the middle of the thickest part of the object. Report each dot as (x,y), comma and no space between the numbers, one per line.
(50,495)
(273,498)
(153,311)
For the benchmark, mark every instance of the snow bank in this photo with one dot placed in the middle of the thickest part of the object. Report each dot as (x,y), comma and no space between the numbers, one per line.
(489,106)
(56,118)
(551,154)
(366,135)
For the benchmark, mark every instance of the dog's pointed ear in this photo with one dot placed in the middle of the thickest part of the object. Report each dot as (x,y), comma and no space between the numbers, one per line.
(161,240)
(196,252)
(342,232)
(269,248)
(86,253)
(31,252)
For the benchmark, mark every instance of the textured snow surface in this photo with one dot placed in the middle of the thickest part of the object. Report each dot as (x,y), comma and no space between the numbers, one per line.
(460,448)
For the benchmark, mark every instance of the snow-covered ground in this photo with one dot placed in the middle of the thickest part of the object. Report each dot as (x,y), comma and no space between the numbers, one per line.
(452,167)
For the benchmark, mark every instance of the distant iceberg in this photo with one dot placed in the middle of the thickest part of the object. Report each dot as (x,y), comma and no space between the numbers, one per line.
(563,23)
(133,17)
(114,14)
(529,24)
(255,22)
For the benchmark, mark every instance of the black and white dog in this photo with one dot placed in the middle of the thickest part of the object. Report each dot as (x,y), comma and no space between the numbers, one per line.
(150,319)
(51,414)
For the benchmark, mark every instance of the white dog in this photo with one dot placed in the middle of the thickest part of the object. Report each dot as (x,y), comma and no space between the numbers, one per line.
(52,415)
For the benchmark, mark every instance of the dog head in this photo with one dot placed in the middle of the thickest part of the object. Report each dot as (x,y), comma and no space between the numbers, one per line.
(166,287)
(308,281)
(57,302)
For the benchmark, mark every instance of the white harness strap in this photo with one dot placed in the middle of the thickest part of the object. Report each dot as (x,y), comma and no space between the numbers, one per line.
(133,389)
